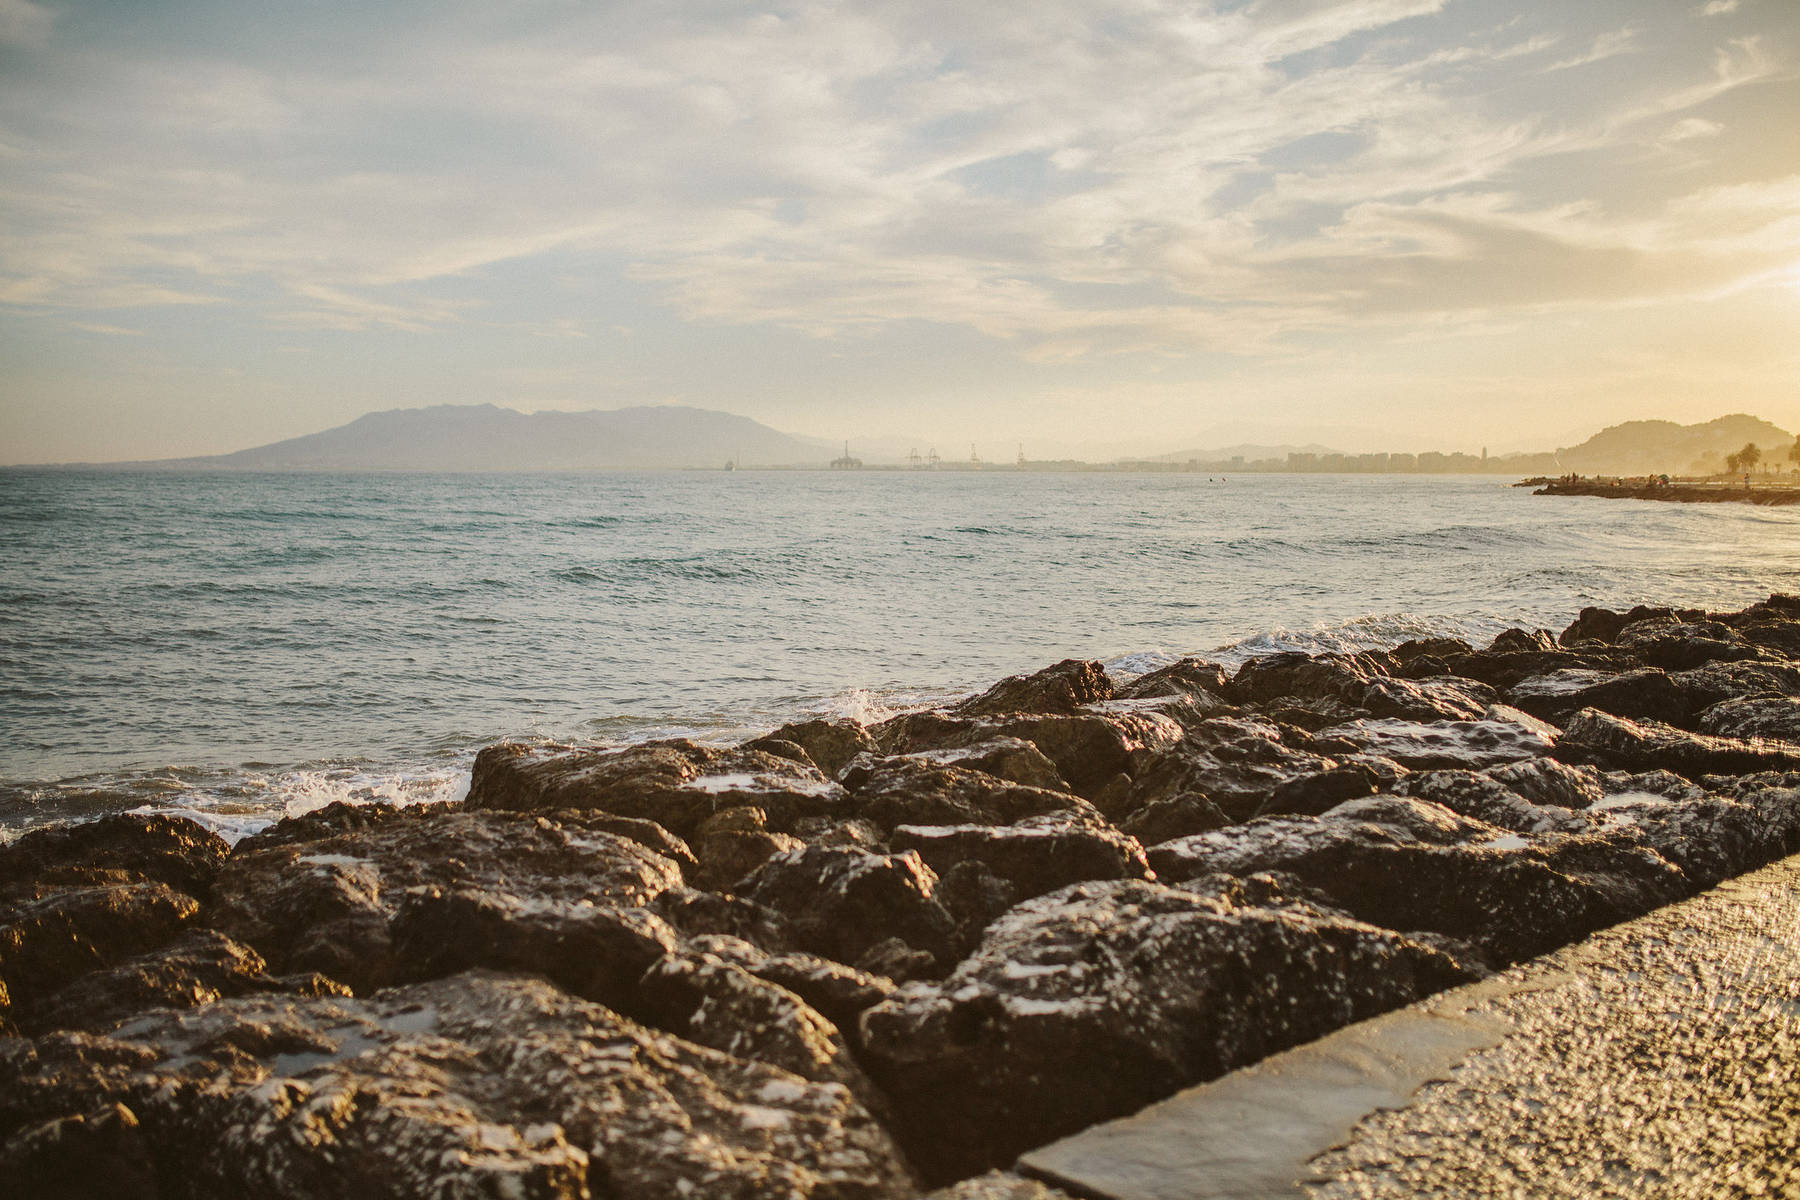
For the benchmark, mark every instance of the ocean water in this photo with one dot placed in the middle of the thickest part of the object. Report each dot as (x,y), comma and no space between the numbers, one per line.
(241,646)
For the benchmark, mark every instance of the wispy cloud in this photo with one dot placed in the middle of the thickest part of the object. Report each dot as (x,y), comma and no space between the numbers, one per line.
(1717,8)
(1608,45)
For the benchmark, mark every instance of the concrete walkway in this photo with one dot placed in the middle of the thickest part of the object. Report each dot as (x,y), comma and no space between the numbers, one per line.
(1657,1058)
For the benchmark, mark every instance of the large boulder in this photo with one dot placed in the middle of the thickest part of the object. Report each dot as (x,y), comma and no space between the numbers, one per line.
(198,967)
(1645,693)
(1063,688)
(1037,855)
(478,1085)
(1771,718)
(1095,1000)
(916,789)
(1089,748)
(830,743)
(327,903)
(842,902)
(123,848)
(1234,763)
(677,783)
(1414,865)
(1437,745)
(1608,741)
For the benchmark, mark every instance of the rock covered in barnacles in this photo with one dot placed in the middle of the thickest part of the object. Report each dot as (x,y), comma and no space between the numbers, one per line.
(1645,693)
(123,848)
(478,1085)
(1193,677)
(677,783)
(327,904)
(1092,1001)
(1775,718)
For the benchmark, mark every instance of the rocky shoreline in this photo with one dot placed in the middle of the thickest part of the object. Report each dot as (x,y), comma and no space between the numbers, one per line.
(868,961)
(1676,491)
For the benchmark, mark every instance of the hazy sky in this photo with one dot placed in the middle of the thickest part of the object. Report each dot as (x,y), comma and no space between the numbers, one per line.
(1437,222)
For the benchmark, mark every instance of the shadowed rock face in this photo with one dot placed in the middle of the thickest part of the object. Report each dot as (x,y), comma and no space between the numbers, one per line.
(1092,1001)
(474,1085)
(683,969)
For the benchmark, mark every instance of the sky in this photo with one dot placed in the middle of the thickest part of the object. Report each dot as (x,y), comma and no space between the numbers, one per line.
(1098,224)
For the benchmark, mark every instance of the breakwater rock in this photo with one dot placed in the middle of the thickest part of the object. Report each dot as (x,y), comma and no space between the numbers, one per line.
(1679,492)
(849,960)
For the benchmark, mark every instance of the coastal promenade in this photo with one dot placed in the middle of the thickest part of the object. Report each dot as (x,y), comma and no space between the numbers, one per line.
(1674,492)
(1659,1057)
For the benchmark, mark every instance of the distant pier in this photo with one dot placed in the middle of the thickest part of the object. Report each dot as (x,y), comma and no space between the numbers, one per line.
(1674,491)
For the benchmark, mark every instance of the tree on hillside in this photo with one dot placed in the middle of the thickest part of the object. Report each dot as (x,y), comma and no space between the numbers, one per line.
(1750,455)
(1794,453)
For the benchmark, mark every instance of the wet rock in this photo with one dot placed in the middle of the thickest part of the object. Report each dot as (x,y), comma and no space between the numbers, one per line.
(596,951)
(829,743)
(1444,699)
(840,901)
(1063,688)
(975,897)
(1092,1001)
(696,914)
(124,848)
(1502,671)
(1676,645)
(1486,798)
(1438,648)
(1302,676)
(479,1085)
(1173,817)
(1550,781)
(1522,641)
(1314,794)
(1089,749)
(52,935)
(676,783)
(1720,681)
(198,967)
(1415,865)
(1773,717)
(1422,746)
(1012,759)
(1615,742)
(840,993)
(721,1005)
(1194,677)
(1036,855)
(1712,838)
(911,790)
(1233,762)
(1310,714)
(1645,693)
(326,905)
(1604,625)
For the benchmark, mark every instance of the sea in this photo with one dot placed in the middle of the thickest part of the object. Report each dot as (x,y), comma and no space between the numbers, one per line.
(241,647)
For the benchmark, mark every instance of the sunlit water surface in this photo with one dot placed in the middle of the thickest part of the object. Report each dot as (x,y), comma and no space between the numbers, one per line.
(241,646)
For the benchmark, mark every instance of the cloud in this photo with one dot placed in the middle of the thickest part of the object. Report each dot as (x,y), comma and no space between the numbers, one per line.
(25,24)
(1688,129)
(1607,45)
(1111,178)
(1717,8)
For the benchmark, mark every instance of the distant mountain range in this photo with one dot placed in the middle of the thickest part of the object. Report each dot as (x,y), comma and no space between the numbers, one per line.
(485,437)
(1663,447)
